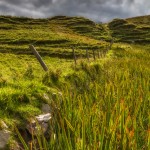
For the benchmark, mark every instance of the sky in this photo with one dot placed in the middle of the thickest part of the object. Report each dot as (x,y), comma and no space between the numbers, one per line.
(96,10)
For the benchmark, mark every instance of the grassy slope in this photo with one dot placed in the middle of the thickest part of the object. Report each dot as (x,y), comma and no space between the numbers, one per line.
(53,37)
(132,29)
(104,104)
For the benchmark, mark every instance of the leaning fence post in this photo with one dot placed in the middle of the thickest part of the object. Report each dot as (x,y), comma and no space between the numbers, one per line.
(87,55)
(94,54)
(74,56)
(37,55)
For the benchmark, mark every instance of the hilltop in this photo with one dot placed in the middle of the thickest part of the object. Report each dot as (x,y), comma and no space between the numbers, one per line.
(131,30)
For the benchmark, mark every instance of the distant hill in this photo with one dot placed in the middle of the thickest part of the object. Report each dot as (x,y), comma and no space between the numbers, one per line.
(135,29)
(55,35)
(141,20)
(82,26)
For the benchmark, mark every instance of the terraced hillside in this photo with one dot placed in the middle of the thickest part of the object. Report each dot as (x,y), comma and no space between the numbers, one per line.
(131,30)
(54,36)
(100,103)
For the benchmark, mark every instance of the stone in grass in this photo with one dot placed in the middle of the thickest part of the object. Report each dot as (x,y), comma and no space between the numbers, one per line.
(4,138)
(44,117)
(39,125)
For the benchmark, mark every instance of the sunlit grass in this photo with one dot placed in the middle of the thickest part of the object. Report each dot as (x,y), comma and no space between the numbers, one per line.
(104,105)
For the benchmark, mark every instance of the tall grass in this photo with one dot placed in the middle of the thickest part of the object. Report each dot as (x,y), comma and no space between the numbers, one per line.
(113,112)
(104,105)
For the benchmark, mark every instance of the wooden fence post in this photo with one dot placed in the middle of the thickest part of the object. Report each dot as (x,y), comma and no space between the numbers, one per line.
(94,54)
(111,43)
(87,55)
(107,49)
(98,53)
(37,55)
(74,56)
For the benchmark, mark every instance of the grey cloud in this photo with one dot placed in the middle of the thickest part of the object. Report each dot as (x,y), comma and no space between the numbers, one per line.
(36,3)
(39,3)
(98,10)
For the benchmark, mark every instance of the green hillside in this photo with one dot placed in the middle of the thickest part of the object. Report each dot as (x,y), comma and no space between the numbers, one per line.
(141,20)
(52,36)
(100,103)
(131,30)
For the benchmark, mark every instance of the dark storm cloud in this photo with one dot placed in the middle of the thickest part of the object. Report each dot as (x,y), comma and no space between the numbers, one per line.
(99,10)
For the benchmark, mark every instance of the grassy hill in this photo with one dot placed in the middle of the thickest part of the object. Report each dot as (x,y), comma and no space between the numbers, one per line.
(99,104)
(131,30)
(53,36)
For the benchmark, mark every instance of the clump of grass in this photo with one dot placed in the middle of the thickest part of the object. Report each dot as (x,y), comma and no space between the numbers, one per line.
(3,81)
(52,77)
(29,73)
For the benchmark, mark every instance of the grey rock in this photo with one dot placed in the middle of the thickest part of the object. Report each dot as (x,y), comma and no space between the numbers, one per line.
(44,117)
(39,125)
(4,138)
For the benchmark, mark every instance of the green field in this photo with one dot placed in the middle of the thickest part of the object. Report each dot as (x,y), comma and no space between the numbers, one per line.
(102,104)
